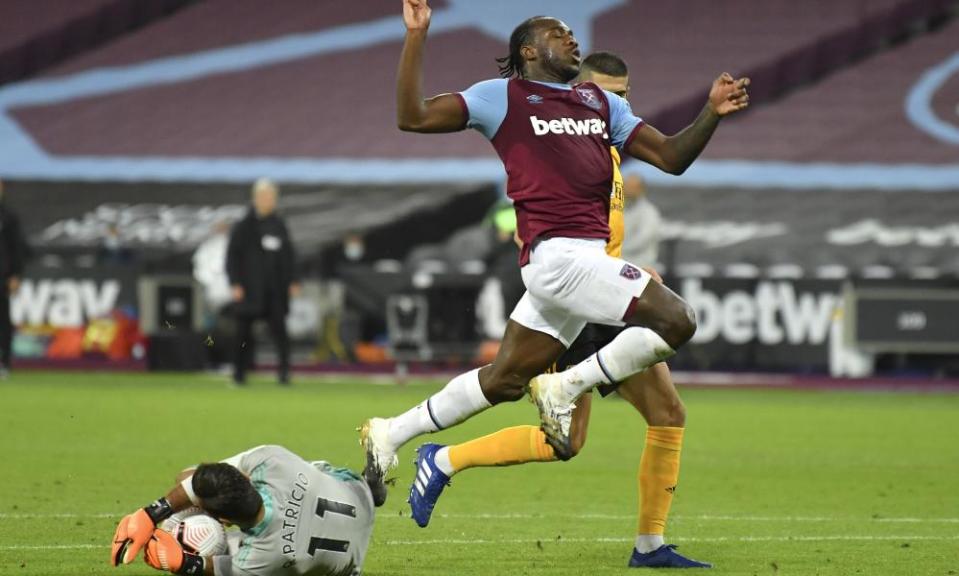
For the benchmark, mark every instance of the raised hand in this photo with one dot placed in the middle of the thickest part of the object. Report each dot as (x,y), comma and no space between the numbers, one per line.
(728,95)
(416,14)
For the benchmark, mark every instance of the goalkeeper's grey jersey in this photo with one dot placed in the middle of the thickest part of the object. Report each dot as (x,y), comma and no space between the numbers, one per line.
(318,519)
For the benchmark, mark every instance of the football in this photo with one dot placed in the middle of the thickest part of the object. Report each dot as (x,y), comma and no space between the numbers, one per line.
(198,532)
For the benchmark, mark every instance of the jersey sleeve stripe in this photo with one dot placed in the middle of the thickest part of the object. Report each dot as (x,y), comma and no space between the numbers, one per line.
(466,109)
(629,139)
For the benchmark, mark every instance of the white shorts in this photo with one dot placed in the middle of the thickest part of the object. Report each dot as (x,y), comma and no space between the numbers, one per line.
(572,281)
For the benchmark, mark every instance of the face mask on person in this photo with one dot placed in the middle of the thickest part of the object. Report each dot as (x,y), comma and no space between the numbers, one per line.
(354,250)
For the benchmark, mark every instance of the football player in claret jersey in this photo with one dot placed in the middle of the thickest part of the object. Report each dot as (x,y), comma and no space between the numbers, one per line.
(651,392)
(295,517)
(554,141)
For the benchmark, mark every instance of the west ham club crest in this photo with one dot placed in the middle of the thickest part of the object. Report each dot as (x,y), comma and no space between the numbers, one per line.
(589,97)
(630,272)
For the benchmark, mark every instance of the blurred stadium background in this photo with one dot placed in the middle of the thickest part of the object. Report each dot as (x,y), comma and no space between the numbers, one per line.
(816,238)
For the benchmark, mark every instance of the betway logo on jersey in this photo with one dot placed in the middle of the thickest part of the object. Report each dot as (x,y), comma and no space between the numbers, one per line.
(569,126)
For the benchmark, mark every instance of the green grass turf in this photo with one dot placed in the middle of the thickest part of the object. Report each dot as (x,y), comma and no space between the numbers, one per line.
(773,481)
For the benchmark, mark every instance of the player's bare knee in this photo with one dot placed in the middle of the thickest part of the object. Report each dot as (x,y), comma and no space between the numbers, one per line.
(575,445)
(682,326)
(675,414)
(515,387)
(508,387)
(670,413)
(501,385)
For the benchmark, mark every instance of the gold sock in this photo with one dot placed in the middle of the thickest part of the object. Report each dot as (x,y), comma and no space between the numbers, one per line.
(658,475)
(509,446)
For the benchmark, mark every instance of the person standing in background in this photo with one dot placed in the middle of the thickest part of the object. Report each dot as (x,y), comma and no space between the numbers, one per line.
(111,251)
(643,224)
(504,287)
(13,249)
(260,266)
(209,261)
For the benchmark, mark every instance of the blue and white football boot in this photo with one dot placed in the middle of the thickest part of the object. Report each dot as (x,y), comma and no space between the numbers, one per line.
(428,484)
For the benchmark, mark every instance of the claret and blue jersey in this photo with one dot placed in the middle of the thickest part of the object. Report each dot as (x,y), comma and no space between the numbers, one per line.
(554,141)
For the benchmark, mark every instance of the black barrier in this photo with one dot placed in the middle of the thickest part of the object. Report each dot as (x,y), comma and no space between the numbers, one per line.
(758,323)
(449,298)
(902,319)
(743,323)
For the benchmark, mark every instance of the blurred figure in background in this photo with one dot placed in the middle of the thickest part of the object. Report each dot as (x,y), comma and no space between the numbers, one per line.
(643,224)
(354,247)
(112,250)
(505,254)
(209,270)
(13,251)
(260,266)
(504,285)
(209,264)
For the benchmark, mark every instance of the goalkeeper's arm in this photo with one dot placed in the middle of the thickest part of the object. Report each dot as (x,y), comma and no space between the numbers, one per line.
(135,530)
(139,528)
(163,552)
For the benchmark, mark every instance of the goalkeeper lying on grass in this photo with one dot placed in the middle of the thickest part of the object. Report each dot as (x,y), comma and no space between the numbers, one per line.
(295,517)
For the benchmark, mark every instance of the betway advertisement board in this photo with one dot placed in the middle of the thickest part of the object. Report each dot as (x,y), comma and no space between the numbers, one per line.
(68,297)
(758,323)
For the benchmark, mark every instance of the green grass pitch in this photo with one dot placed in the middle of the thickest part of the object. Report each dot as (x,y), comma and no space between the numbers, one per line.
(773,482)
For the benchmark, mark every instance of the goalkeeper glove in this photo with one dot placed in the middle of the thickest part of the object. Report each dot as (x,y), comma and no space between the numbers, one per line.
(165,553)
(136,529)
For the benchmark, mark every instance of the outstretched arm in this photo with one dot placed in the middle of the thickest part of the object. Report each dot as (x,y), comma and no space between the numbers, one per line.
(442,113)
(674,154)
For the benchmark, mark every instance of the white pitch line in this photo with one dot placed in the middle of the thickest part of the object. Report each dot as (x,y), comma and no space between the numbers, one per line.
(918,520)
(734,518)
(701,517)
(29,516)
(524,516)
(548,540)
(55,547)
(552,540)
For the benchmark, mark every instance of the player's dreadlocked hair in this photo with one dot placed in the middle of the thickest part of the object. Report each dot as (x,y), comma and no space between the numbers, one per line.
(606,63)
(512,65)
(226,493)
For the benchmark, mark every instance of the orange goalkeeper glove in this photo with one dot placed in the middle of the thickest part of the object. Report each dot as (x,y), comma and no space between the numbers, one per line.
(165,553)
(136,529)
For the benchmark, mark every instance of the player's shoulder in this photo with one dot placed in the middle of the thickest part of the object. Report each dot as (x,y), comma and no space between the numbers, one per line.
(491,85)
(267,451)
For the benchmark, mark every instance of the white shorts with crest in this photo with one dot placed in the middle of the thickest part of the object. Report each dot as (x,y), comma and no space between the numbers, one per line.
(571,282)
